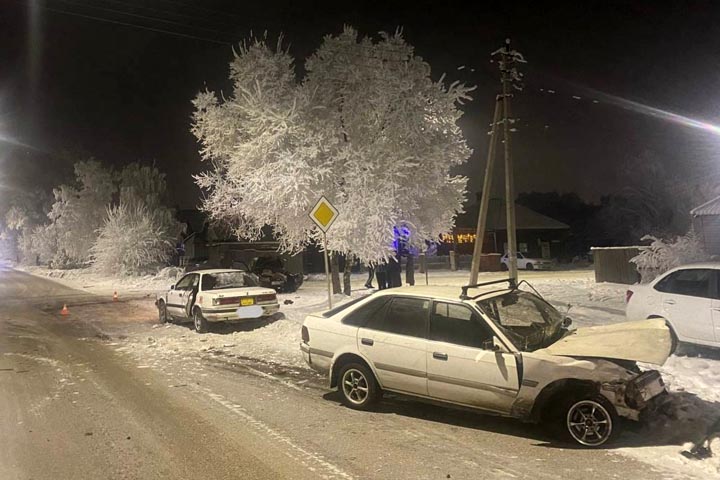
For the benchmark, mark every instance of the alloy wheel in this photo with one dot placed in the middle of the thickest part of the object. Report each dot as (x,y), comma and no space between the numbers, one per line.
(355,386)
(589,423)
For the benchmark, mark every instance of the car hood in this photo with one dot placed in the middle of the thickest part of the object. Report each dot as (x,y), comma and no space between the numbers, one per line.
(647,341)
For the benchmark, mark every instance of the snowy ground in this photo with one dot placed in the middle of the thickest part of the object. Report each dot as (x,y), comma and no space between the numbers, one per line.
(694,380)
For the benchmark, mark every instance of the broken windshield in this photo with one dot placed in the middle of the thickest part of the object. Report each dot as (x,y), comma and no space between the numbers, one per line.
(528,321)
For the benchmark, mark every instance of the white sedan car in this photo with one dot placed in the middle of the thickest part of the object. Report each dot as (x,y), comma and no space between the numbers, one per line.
(526,263)
(206,296)
(505,351)
(687,297)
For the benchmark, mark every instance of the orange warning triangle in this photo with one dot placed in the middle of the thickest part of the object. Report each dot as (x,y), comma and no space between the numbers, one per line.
(64,310)
(115,297)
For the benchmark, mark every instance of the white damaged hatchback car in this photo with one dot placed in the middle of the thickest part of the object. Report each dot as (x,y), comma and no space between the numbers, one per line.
(209,296)
(503,351)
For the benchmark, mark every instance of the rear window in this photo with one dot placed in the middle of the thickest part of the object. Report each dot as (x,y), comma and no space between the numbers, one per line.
(223,280)
(360,317)
(342,307)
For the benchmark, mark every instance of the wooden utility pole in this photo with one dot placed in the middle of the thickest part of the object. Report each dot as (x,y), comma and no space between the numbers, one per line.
(485,199)
(506,69)
(510,78)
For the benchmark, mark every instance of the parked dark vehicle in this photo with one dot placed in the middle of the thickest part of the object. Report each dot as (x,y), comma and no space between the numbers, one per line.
(272,273)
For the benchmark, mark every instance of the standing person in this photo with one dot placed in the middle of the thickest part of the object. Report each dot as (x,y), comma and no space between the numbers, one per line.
(394,273)
(381,274)
(410,268)
(371,274)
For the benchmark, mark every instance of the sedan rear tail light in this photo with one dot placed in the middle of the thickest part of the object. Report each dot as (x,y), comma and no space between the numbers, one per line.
(226,301)
(628,296)
(266,298)
(305,334)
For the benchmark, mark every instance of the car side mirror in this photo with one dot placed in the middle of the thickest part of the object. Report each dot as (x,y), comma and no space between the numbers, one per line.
(493,345)
(172,287)
(567,321)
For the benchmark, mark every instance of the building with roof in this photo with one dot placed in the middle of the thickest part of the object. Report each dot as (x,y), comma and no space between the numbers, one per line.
(706,222)
(538,236)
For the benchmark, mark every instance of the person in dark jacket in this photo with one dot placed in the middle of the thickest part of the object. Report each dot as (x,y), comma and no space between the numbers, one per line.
(381,274)
(371,274)
(394,273)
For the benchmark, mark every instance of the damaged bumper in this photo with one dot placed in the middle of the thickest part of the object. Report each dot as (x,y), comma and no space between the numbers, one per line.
(633,396)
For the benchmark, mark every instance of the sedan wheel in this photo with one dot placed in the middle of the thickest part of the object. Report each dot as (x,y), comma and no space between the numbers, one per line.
(162,312)
(357,386)
(589,422)
(201,325)
(529,266)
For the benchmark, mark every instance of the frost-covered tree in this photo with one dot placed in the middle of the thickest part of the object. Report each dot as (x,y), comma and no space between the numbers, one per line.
(79,211)
(367,127)
(27,211)
(134,239)
(662,255)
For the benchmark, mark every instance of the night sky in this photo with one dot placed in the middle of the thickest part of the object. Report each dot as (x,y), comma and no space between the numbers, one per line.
(72,87)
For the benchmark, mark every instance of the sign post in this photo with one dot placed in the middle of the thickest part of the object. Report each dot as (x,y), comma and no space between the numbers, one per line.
(324,214)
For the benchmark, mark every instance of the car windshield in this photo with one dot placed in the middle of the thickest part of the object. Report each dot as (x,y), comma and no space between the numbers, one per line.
(222,280)
(527,320)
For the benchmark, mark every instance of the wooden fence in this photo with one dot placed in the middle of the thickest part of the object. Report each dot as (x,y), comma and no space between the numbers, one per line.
(612,264)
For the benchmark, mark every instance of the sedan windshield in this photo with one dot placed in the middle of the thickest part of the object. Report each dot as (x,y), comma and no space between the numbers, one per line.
(222,280)
(527,320)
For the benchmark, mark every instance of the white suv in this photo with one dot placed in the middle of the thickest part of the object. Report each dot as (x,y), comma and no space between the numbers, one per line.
(504,351)
(687,297)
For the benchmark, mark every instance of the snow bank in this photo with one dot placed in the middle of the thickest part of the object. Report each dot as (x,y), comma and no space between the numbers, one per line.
(94,282)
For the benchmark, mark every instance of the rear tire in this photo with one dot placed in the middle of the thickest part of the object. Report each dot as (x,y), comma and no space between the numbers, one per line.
(201,325)
(503,267)
(358,387)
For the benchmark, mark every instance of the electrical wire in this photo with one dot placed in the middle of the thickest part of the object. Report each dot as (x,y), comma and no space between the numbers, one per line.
(137,15)
(143,27)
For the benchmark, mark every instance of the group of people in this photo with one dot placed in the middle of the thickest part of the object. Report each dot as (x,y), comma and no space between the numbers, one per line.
(389,273)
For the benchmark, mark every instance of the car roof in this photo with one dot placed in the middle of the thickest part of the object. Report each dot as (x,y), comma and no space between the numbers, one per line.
(442,292)
(217,270)
(711,265)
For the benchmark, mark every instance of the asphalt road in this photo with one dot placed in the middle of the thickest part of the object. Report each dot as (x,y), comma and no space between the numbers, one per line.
(72,406)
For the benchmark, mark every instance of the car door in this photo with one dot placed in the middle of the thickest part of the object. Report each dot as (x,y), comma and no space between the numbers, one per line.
(462,365)
(687,299)
(177,297)
(394,340)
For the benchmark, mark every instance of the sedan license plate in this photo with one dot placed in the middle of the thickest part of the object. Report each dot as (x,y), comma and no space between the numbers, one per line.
(244,302)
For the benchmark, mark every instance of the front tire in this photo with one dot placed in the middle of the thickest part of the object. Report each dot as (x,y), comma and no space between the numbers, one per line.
(590,421)
(201,325)
(162,312)
(503,267)
(358,387)
(529,266)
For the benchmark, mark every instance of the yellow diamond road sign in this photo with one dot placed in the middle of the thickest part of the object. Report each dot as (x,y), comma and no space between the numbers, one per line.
(323,214)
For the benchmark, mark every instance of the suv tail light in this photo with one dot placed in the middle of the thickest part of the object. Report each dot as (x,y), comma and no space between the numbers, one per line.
(266,298)
(305,334)
(628,296)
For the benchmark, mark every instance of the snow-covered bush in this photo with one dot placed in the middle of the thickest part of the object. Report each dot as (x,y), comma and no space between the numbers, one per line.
(134,240)
(367,127)
(662,255)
